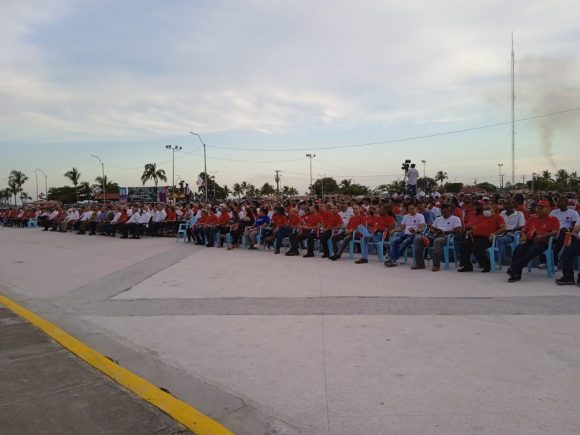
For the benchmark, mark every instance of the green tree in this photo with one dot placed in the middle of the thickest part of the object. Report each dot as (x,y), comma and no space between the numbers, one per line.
(488,187)
(5,195)
(237,190)
(152,173)
(355,190)
(453,187)
(345,183)
(74,176)
(16,180)
(64,194)
(267,189)
(326,184)
(251,191)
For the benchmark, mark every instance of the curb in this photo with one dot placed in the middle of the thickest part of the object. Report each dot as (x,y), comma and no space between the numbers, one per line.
(185,414)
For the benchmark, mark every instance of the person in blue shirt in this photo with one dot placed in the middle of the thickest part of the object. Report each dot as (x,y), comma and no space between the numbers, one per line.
(252,232)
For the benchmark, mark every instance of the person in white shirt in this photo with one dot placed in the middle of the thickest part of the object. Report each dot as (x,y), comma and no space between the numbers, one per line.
(84,220)
(71,218)
(412,176)
(444,225)
(50,219)
(515,221)
(411,225)
(158,221)
(568,217)
(133,220)
(140,225)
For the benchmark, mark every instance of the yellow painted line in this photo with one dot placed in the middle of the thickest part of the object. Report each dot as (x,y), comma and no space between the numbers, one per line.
(185,414)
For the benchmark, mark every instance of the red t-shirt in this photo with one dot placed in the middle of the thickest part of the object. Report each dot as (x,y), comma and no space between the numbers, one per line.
(295,221)
(279,220)
(354,222)
(486,226)
(312,220)
(384,223)
(211,219)
(331,220)
(171,216)
(202,220)
(223,219)
(541,226)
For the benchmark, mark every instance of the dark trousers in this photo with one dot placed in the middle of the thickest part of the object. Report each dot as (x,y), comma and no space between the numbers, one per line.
(346,238)
(281,234)
(324,238)
(524,253)
(568,260)
(210,235)
(297,239)
(312,236)
(199,233)
(476,245)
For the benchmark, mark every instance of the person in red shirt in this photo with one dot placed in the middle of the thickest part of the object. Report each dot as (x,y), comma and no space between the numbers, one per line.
(293,224)
(534,239)
(478,239)
(315,224)
(331,223)
(198,228)
(209,228)
(376,229)
(312,223)
(278,220)
(222,225)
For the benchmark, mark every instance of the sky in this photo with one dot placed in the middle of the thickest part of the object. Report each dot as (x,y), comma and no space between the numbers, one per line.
(266,82)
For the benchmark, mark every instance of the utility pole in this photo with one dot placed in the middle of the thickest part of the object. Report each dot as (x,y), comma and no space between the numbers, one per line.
(204,161)
(500,165)
(277,179)
(311,156)
(104,179)
(45,184)
(513,116)
(424,162)
(36,175)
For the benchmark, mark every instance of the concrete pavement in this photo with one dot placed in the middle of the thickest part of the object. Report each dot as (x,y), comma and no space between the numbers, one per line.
(270,344)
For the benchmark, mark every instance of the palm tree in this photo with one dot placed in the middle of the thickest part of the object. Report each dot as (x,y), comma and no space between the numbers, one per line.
(74,176)
(237,190)
(226,191)
(345,183)
(441,177)
(15,181)
(152,173)
(292,191)
(5,195)
(244,186)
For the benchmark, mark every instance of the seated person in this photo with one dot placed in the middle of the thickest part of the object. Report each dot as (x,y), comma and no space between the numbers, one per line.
(198,230)
(130,224)
(140,225)
(209,228)
(412,224)
(252,232)
(348,234)
(315,223)
(568,217)
(50,219)
(311,223)
(534,239)
(514,220)
(571,250)
(479,238)
(444,225)
(375,230)
(292,226)
(84,221)
(331,223)
(279,220)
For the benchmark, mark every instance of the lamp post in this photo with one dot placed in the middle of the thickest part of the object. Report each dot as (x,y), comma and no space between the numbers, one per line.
(204,161)
(36,175)
(45,183)
(322,176)
(424,163)
(173,148)
(104,181)
(500,165)
(311,156)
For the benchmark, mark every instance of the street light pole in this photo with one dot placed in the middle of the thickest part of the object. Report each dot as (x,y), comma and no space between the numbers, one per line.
(104,181)
(311,156)
(45,183)
(424,162)
(173,148)
(204,161)
(36,175)
(499,165)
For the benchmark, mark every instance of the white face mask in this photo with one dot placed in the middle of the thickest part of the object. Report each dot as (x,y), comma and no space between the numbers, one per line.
(487,213)
(571,207)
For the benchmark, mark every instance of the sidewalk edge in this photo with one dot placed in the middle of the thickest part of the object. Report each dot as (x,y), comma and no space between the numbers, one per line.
(185,414)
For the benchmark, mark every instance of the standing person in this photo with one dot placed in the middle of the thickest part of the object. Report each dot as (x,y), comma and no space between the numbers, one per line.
(534,240)
(412,176)
(444,225)
(479,238)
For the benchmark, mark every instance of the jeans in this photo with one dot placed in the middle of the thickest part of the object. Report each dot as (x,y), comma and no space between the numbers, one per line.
(368,237)
(501,243)
(399,245)
(568,260)
(281,234)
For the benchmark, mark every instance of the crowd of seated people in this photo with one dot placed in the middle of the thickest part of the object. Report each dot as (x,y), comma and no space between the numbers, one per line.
(519,230)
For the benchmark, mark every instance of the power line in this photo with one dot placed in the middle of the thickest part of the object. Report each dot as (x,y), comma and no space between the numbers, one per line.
(426,136)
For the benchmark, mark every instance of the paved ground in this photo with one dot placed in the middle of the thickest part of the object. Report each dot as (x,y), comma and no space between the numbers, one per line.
(47,390)
(270,344)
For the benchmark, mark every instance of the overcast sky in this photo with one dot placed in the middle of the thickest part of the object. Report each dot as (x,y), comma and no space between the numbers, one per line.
(121,79)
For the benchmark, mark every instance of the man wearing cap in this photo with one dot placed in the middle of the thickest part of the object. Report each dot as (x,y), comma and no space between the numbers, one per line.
(534,240)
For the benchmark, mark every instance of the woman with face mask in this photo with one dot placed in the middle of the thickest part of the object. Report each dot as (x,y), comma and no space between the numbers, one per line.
(479,238)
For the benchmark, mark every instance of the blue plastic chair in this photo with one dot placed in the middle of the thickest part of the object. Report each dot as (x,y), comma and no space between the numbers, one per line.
(492,251)
(449,247)
(181,232)
(549,253)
